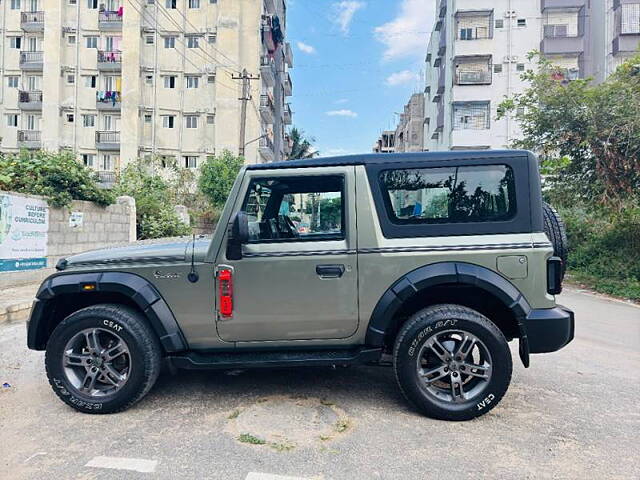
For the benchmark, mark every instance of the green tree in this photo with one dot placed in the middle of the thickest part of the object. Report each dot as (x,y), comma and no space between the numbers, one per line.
(301,147)
(588,135)
(58,177)
(157,188)
(217,175)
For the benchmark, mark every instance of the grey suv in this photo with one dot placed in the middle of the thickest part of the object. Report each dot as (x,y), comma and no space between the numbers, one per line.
(428,262)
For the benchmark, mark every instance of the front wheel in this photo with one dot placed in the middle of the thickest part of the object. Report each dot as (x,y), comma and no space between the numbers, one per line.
(452,363)
(102,359)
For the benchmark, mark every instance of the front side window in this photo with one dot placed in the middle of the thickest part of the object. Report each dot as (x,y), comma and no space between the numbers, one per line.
(484,193)
(295,208)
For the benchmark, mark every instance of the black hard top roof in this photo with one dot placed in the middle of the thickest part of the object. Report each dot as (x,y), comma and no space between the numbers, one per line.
(386,158)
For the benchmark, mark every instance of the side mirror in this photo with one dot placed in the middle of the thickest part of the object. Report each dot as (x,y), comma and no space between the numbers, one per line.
(238,235)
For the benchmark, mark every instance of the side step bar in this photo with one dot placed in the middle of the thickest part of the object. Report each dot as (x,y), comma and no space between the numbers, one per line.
(266,359)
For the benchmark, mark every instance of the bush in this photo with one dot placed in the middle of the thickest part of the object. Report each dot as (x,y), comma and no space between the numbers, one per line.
(56,176)
(217,175)
(604,249)
(156,189)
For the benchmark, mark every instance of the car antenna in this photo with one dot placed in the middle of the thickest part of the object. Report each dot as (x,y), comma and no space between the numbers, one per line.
(193,275)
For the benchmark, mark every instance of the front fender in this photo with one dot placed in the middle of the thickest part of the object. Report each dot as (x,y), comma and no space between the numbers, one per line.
(137,289)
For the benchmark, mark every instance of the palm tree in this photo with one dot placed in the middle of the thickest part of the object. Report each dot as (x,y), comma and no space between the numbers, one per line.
(301,147)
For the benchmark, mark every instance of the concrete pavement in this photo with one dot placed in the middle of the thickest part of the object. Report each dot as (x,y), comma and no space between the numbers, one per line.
(573,414)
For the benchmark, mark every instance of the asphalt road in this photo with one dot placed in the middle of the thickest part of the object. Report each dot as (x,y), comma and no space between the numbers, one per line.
(573,414)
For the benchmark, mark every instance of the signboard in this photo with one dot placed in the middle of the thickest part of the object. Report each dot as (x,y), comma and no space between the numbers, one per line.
(24,223)
(76,219)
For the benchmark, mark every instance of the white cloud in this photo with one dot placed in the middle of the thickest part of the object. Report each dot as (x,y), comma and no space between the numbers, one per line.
(344,12)
(401,78)
(341,101)
(342,113)
(406,35)
(303,47)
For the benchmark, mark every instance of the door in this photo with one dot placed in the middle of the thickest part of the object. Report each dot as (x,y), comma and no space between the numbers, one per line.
(33,44)
(297,279)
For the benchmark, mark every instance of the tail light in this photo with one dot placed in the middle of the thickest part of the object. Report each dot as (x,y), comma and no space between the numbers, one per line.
(225,286)
(554,275)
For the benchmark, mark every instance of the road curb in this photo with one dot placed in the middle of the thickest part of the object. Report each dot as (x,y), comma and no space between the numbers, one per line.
(18,312)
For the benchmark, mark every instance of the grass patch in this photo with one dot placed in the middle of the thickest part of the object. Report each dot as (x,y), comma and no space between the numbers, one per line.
(282,446)
(342,425)
(248,438)
(325,438)
(234,414)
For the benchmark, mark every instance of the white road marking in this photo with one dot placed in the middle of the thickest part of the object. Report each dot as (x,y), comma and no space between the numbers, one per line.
(37,454)
(118,463)
(269,476)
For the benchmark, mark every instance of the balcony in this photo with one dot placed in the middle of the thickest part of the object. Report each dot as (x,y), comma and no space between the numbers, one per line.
(108,140)
(288,86)
(109,21)
(108,100)
(442,42)
(30,139)
(288,144)
(473,70)
(559,4)
(106,179)
(109,61)
(287,115)
(562,45)
(270,7)
(265,147)
(30,100)
(32,21)
(31,61)
(626,43)
(266,109)
(442,79)
(268,70)
(442,10)
(288,54)
(440,118)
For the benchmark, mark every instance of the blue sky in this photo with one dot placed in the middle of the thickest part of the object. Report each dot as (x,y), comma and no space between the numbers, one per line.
(356,62)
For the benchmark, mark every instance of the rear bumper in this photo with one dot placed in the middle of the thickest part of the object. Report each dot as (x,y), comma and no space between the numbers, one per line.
(549,329)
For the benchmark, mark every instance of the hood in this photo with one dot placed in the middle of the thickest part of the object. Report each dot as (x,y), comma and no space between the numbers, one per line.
(137,254)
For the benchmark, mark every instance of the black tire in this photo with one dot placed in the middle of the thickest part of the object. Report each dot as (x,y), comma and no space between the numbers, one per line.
(142,359)
(556,231)
(443,321)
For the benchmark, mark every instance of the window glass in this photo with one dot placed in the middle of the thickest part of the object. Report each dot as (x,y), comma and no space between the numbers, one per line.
(295,208)
(450,194)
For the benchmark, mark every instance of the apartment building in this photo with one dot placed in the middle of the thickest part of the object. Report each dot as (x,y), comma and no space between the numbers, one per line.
(113,80)
(478,51)
(386,143)
(409,133)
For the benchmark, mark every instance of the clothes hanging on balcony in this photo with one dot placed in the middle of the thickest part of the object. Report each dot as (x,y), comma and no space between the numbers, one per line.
(23,97)
(120,11)
(118,84)
(278,36)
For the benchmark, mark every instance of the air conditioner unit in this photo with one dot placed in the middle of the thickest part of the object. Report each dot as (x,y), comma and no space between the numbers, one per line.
(510,14)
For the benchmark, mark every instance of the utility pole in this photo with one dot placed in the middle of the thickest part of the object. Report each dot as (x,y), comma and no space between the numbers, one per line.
(246,96)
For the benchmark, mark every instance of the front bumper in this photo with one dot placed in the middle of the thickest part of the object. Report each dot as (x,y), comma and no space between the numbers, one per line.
(546,330)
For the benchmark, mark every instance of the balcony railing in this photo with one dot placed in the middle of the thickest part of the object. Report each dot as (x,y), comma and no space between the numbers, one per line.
(30,100)
(31,60)
(108,140)
(266,108)
(471,77)
(288,86)
(268,70)
(106,179)
(29,138)
(287,114)
(288,54)
(265,147)
(108,100)
(110,20)
(32,21)
(109,60)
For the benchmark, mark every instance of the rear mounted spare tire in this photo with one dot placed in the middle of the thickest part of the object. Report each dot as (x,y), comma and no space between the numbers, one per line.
(557,233)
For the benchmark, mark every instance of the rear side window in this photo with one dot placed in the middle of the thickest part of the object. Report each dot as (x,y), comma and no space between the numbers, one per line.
(463,194)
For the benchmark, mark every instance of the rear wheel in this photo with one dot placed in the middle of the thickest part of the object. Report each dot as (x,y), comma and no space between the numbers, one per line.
(102,359)
(452,363)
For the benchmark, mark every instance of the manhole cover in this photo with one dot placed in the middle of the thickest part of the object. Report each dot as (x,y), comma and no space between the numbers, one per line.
(285,422)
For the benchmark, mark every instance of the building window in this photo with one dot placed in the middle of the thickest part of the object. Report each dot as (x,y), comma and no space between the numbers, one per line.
(148,79)
(192,81)
(70,117)
(190,161)
(148,39)
(169,42)
(555,31)
(474,26)
(630,19)
(192,121)
(497,68)
(170,81)
(211,79)
(500,23)
(88,120)
(91,42)
(92,4)
(194,3)
(73,2)
(213,1)
(522,22)
(71,39)
(210,119)
(15,4)
(106,163)
(88,159)
(520,67)
(148,118)
(71,79)
(171,4)
(15,42)
(13,82)
(168,121)
(12,120)
(472,70)
(91,81)
(192,41)
(212,38)
(471,116)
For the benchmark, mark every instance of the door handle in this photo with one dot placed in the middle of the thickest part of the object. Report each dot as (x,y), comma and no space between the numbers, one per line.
(330,271)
